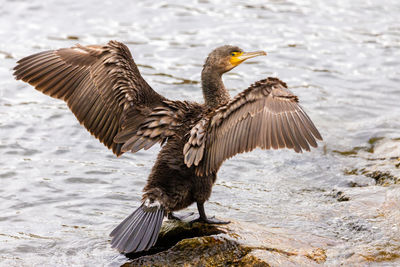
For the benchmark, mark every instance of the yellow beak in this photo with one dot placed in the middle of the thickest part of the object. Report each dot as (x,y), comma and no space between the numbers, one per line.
(236,60)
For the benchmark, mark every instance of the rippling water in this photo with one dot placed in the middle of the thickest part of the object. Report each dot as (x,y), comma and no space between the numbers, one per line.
(62,192)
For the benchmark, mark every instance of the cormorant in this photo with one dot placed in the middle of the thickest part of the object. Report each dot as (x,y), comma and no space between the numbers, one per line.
(104,89)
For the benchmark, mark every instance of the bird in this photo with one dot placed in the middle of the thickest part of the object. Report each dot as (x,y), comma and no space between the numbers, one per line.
(104,89)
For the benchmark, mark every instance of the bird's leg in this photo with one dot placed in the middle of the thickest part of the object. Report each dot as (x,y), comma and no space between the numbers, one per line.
(203,218)
(174,216)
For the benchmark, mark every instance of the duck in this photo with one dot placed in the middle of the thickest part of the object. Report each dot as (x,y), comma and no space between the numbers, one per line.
(104,89)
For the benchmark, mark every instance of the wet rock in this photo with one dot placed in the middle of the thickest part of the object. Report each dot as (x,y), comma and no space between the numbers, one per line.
(383,178)
(385,222)
(236,244)
(340,196)
(374,231)
(382,157)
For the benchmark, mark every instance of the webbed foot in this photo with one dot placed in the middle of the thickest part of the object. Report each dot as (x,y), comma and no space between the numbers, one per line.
(203,218)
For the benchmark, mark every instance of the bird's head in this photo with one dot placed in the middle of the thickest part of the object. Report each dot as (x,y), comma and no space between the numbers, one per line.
(225,58)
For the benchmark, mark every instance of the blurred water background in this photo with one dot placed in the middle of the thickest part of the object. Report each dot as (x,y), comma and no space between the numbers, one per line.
(62,192)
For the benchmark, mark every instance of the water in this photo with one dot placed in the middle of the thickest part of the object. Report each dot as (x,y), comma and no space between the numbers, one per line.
(62,191)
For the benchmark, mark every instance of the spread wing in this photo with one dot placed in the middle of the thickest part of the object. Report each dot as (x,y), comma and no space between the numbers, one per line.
(265,115)
(101,85)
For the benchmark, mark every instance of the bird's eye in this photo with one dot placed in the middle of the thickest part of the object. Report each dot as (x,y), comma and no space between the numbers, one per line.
(233,54)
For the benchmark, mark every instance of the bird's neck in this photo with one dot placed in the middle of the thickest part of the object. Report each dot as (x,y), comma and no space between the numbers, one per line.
(214,91)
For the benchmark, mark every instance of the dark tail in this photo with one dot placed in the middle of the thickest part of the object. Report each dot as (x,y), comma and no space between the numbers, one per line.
(139,231)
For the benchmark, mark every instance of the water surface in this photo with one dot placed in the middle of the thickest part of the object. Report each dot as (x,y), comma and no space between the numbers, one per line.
(62,192)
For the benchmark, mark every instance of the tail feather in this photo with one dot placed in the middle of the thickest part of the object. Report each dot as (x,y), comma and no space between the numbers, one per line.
(154,235)
(123,225)
(146,235)
(139,231)
(127,230)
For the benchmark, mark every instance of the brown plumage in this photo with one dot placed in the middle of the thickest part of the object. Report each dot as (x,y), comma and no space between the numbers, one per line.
(104,89)
(101,85)
(265,115)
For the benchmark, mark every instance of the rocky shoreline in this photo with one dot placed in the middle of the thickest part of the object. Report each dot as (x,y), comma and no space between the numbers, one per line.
(236,244)
(375,207)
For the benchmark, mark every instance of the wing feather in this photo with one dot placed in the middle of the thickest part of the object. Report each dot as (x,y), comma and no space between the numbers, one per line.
(101,85)
(163,123)
(266,115)
(274,135)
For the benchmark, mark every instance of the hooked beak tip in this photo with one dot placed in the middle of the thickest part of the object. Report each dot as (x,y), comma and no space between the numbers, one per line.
(248,55)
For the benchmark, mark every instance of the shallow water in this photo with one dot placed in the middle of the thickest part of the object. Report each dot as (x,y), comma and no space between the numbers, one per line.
(62,192)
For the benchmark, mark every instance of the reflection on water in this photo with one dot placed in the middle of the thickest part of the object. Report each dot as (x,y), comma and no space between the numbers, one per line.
(62,192)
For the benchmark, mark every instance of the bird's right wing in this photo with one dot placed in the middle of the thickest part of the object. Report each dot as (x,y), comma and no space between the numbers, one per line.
(266,115)
(101,85)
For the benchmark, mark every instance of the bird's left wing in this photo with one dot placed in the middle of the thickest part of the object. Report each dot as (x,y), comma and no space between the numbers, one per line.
(265,115)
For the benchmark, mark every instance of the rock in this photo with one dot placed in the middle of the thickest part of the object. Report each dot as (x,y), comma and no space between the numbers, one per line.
(384,212)
(382,160)
(237,244)
(373,232)
(376,205)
